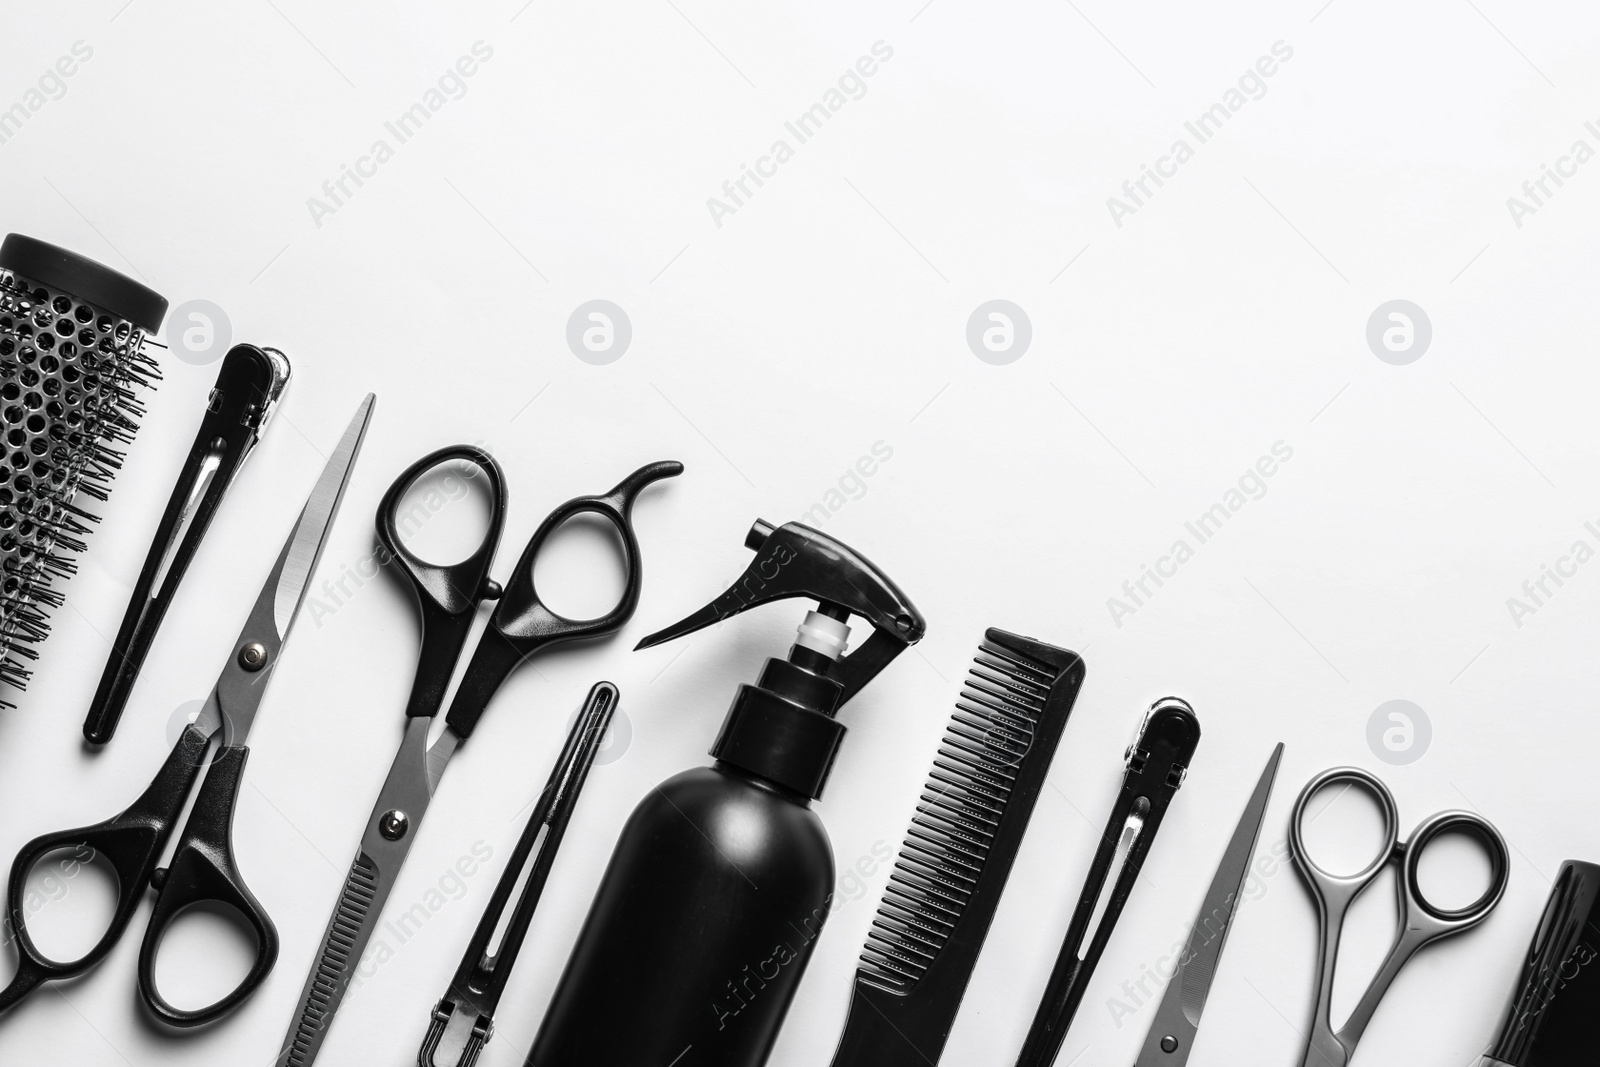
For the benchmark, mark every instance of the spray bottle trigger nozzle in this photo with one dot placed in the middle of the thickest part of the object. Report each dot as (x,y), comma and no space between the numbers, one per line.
(794,560)
(759,532)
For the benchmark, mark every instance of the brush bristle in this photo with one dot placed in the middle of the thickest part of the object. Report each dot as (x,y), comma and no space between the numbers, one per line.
(961,806)
(70,375)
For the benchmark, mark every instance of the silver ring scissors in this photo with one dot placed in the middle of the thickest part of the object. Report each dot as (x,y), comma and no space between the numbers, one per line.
(1421,923)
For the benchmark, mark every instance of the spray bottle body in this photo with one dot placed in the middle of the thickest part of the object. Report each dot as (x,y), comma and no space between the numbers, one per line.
(700,931)
(720,883)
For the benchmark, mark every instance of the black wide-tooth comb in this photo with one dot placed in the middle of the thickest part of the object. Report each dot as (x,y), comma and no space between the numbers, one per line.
(75,341)
(958,853)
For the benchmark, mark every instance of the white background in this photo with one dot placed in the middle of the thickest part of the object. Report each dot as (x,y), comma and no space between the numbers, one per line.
(770,353)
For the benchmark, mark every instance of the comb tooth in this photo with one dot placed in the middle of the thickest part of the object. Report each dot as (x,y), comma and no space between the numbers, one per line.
(907,964)
(944,824)
(993,732)
(930,891)
(902,906)
(963,815)
(944,894)
(887,972)
(991,747)
(999,701)
(1005,738)
(960,773)
(901,969)
(979,760)
(913,911)
(962,793)
(984,704)
(1002,677)
(902,943)
(928,913)
(970,771)
(899,950)
(1005,712)
(890,950)
(1006,686)
(934,927)
(983,717)
(979,764)
(942,857)
(931,854)
(991,653)
(952,868)
(938,843)
(950,880)
(1005,690)
(977,791)
(977,843)
(885,953)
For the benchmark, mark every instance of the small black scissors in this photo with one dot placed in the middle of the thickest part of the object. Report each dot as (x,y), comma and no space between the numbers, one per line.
(202,869)
(521,626)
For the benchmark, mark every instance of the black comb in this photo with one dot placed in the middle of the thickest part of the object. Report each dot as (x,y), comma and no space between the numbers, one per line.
(958,853)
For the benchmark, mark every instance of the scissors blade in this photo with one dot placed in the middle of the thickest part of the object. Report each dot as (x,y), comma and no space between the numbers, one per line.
(300,555)
(1177,1020)
(402,803)
(239,689)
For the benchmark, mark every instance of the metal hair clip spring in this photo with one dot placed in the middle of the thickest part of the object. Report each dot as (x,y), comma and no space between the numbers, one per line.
(475,991)
(1158,762)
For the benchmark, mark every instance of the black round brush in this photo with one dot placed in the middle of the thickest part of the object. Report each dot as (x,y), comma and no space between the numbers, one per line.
(74,339)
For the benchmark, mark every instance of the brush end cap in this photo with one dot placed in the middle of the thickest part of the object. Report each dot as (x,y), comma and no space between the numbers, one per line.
(101,286)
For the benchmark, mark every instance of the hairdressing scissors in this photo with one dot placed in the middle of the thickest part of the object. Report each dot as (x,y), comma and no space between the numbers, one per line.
(202,868)
(521,626)
(1421,923)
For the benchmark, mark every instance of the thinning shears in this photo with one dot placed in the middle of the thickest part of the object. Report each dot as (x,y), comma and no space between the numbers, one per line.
(521,625)
(202,868)
(1421,922)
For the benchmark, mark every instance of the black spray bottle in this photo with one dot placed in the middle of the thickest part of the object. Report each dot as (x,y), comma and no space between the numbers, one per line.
(720,883)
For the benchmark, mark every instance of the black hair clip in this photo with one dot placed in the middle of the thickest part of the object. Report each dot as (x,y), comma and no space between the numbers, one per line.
(248,388)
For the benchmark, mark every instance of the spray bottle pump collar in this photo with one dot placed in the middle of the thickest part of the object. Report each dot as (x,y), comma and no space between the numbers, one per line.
(783,728)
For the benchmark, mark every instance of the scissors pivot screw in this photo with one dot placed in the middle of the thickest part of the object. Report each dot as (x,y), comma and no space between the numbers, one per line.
(393,824)
(253,657)
(1169,1044)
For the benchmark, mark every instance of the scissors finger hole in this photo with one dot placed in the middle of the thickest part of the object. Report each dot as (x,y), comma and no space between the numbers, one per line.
(205,954)
(1454,872)
(581,571)
(1344,830)
(443,516)
(70,901)
(1449,859)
